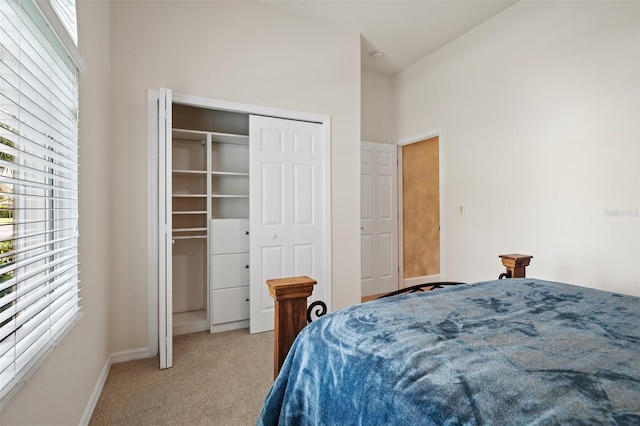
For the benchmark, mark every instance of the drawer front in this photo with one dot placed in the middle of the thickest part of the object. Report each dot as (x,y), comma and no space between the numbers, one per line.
(229,270)
(229,304)
(229,236)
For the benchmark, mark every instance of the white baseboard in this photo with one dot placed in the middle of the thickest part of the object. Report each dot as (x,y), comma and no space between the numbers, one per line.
(408,282)
(129,355)
(114,358)
(91,405)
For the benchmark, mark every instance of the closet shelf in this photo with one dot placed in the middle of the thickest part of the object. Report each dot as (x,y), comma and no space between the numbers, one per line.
(196,212)
(199,135)
(230,174)
(189,195)
(229,196)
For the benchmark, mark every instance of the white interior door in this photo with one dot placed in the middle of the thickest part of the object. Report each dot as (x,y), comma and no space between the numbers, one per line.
(287,225)
(165,295)
(379,218)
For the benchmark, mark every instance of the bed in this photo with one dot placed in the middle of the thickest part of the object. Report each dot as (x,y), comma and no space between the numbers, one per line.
(507,352)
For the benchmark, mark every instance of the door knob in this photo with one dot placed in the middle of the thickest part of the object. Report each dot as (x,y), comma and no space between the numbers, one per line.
(274,235)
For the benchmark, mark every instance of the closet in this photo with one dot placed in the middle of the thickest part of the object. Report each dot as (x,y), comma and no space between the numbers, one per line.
(210,219)
(241,196)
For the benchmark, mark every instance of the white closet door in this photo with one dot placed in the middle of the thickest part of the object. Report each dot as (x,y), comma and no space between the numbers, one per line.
(287,226)
(165,285)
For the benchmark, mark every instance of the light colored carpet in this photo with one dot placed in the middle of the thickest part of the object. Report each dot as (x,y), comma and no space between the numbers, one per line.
(216,379)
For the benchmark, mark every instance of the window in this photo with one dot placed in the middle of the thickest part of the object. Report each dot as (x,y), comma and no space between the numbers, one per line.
(38,191)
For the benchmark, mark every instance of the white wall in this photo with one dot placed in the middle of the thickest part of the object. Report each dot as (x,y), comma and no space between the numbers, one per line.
(376,107)
(540,111)
(59,391)
(238,51)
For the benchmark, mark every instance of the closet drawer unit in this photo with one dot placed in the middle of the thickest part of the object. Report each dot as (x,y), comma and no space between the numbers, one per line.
(229,270)
(229,236)
(229,304)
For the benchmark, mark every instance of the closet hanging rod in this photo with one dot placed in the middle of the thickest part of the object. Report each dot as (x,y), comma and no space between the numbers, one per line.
(189,237)
(242,143)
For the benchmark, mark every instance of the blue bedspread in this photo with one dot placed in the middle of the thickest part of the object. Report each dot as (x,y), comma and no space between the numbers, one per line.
(507,352)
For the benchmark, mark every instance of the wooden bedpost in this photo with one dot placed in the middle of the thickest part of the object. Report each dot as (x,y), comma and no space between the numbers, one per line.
(290,295)
(516,264)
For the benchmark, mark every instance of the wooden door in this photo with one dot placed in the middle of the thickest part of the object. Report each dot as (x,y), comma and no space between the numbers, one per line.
(287,224)
(379,218)
(421,211)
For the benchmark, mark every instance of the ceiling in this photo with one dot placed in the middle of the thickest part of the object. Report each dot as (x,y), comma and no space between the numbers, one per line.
(405,31)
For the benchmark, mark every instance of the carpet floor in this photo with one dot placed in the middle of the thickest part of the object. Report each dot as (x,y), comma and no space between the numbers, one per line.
(216,379)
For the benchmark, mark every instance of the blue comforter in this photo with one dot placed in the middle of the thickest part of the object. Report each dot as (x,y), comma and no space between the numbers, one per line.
(507,352)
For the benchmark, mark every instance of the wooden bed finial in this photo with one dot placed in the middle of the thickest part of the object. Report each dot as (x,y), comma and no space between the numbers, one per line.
(290,295)
(516,264)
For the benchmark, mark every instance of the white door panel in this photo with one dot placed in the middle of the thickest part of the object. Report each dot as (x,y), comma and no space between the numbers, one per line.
(272,140)
(272,202)
(385,196)
(303,144)
(367,256)
(287,229)
(365,196)
(385,245)
(379,218)
(303,259)
(273,261)
(303,195)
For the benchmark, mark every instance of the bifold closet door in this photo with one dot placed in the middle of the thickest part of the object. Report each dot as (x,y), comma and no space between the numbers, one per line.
(287,225)
(165,282)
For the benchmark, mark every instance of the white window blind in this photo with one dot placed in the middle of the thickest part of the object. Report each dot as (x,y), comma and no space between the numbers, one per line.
(66,11)
(38,191)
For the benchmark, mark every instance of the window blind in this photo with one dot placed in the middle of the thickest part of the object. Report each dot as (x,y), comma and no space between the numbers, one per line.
(66,11)
(38,190)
